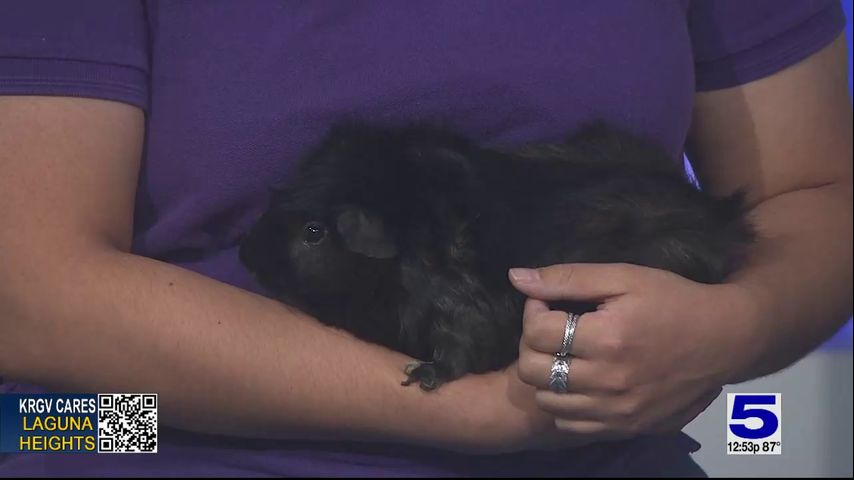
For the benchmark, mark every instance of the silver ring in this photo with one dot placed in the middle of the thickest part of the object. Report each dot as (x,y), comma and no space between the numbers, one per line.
(568,334)
(559,377)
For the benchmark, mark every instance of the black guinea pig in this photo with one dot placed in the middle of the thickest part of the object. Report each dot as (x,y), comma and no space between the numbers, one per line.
(404,236)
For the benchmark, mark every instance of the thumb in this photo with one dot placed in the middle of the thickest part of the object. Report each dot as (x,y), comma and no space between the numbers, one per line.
(574,281)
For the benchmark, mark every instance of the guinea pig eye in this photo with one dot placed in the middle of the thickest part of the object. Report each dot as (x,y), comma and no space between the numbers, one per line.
(314,233)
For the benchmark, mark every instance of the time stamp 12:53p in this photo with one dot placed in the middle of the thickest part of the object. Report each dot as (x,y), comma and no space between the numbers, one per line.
(754,424)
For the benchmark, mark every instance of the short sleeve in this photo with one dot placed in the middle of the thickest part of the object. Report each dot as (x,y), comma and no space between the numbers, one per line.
(82,48)
(738,41)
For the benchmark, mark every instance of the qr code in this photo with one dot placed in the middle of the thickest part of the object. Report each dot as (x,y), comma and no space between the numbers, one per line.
(127,423)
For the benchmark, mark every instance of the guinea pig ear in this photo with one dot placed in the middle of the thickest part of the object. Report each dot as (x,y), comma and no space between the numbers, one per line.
(365,233)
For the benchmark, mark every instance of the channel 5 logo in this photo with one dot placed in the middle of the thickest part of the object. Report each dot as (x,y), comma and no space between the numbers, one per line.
(754,423)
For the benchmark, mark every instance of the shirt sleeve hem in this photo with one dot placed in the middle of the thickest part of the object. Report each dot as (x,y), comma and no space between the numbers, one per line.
(56,77)
(773,55)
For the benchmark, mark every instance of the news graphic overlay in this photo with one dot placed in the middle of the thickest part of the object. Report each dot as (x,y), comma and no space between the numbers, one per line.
(78,423)
(754,424)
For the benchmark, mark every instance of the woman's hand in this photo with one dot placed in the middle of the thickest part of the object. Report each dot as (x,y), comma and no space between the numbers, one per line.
(649,360)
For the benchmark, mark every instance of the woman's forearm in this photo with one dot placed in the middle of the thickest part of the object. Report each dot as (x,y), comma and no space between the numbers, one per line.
(798,283)
(223,360)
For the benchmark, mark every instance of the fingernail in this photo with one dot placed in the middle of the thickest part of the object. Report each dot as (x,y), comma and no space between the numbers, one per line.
(524,275)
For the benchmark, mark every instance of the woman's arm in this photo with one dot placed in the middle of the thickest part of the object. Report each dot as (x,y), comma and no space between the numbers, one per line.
(80,313)
(786,141)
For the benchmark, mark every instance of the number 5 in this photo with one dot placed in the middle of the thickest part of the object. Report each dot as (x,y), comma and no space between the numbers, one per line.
(770,423)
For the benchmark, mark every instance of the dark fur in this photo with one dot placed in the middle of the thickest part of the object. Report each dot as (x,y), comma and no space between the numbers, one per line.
(424,225)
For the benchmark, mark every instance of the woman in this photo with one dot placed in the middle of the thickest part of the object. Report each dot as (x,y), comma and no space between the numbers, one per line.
(139,140)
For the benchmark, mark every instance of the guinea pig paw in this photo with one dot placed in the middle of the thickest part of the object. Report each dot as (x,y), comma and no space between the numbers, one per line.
(425,373)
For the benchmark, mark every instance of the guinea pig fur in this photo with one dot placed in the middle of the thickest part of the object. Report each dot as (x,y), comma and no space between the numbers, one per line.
(403,236)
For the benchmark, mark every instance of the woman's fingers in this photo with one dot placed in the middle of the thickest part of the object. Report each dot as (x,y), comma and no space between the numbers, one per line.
(585,376)
(583,282)
(571,406)
(583,413)
(543,330)
(592,429)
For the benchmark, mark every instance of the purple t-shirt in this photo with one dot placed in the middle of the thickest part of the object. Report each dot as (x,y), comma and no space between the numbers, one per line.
(234,92)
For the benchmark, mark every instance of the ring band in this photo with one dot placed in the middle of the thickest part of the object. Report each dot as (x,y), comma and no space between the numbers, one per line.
(568,334)
(559,378)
